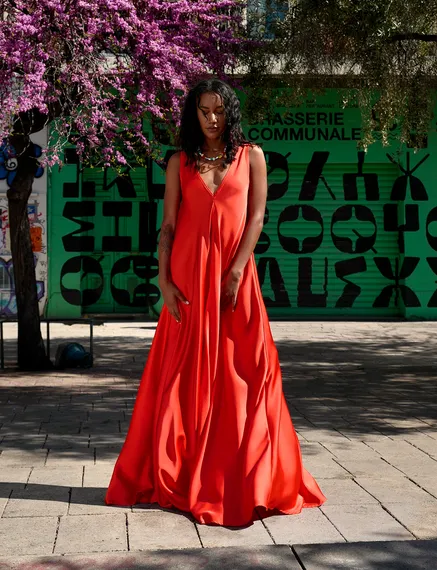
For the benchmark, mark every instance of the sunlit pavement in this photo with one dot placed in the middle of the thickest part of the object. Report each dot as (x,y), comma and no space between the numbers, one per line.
(363,398)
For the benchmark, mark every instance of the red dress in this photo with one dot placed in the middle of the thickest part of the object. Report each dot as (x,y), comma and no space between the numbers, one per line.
(211,433)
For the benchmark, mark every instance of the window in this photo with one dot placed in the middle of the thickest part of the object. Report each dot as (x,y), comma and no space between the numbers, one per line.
(262,16)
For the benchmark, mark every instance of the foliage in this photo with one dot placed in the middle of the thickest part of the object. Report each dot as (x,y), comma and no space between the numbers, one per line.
(96,68)
(383,52)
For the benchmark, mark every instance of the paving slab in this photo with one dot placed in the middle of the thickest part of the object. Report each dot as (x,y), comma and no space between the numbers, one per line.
(344,492)
(91,501)
(38,501)
(420,519)
(22,443)
(253,535)
(62,441)
(352,450)
(3,503)
(24,536)
(86,534)
(423,442)
(154,529)
(70,457)
(396,555)
(57,476)
(427,482)
(376,468)
(327,468)
(97,475)
(394,490)
(324,435)
(14,476)
(22,458)
(229,558)
(309,526)
(365,523)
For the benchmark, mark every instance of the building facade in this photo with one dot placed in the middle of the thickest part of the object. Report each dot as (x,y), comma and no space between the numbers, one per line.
(347,234)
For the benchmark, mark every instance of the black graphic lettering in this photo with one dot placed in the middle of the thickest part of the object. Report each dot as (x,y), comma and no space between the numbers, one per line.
(417,188)
(409,298)
(263,243)
(391,221)
(117,242)
(84,265)
(148,227)
(305,296)
(71,189)
(72,211)
(276,161)
(276,282)
(432,262)
(143,294)
(370,180)
(362,243)
(156,190)
(291,214)
(71,156)
(351,291)
(88,189)
(313,174)
(123,182)
(431,218)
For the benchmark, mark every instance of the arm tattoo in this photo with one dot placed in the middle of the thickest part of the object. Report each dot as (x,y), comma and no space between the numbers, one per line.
(166,239)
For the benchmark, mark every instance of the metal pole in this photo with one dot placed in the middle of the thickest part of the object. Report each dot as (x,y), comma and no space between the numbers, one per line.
(91,339)
(48,338)
(2,352)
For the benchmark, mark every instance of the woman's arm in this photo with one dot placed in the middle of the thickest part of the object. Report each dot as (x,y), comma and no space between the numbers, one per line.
(171,208)
(172,197)
(255,218)
(255,210)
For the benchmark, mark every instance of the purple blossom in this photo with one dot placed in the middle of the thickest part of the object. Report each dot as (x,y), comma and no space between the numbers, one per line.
(104,65)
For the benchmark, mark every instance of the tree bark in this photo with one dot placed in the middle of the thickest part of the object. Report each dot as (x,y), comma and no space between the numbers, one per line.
(31,350)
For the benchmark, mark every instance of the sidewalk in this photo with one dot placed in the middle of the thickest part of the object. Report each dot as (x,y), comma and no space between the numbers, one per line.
(363,398)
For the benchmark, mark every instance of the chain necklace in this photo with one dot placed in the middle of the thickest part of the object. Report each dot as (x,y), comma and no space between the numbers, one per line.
(210,158)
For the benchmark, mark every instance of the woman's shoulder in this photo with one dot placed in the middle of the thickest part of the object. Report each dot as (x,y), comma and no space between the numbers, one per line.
(256,153)
(175,160)
(175,157)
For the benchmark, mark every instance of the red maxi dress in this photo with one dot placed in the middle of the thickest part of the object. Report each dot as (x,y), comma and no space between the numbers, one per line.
(211,433)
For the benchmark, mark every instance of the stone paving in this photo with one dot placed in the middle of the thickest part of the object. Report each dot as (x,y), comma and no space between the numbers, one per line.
(363,398)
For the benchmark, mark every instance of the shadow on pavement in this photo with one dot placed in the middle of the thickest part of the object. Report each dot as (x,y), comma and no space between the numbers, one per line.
(398,555)
(402,555)
(355,386)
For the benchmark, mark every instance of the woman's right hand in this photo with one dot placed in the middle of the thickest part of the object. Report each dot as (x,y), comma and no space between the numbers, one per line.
(171,294)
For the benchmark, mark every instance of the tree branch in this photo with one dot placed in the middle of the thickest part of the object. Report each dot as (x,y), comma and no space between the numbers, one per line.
(413,36)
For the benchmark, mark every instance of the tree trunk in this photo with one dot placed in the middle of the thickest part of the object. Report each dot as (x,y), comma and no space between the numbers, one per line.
(31,350)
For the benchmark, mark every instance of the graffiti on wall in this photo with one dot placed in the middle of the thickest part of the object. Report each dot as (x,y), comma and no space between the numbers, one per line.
(37,219)
(8,302)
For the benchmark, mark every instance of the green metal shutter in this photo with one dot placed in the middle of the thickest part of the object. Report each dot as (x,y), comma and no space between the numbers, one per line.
(325,250)
(124,233)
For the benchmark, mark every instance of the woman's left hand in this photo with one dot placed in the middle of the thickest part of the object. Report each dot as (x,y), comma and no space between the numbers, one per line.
(230,286)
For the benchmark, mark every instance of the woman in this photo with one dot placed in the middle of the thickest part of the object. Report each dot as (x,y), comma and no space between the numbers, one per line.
(210,432)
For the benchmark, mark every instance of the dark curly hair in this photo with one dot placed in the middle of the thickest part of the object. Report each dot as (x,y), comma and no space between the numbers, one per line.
(190,136)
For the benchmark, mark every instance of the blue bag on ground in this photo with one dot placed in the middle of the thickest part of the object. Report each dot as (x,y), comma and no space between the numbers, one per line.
(72,355)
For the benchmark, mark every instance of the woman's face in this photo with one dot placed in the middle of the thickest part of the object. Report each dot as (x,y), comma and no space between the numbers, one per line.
(211,115)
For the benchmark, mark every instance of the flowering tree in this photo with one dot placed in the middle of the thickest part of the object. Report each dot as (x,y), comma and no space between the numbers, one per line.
(92,70)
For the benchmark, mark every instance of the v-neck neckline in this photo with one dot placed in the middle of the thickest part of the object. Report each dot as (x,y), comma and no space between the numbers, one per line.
(221,182)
